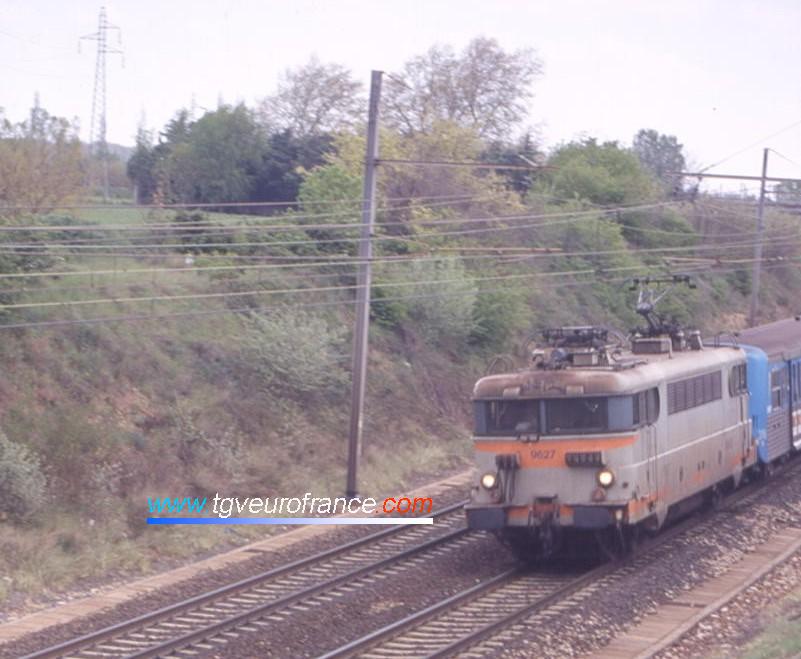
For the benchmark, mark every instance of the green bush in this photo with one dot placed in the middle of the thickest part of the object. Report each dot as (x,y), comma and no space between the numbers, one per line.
(197,235)
(296,351)
(443,303)
(497,316)
(385,310)
(22,483)
(331,183)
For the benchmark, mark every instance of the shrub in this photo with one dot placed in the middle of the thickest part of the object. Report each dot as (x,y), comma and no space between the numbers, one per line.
(498,315)
(296,351)
(444,306)
(196,234)
(331,183)
(70,446)
(22,483)
(385,309)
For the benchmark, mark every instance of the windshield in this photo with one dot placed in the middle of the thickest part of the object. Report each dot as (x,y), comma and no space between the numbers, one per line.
(507,417)
(561,416)
(576,414)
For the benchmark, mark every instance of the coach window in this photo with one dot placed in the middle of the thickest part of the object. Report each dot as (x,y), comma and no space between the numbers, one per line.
(776,383)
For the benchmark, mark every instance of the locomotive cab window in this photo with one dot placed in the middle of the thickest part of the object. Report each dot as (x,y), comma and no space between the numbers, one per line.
(738,380)
(566,416)
(507,417)
(577,415)
(645,407)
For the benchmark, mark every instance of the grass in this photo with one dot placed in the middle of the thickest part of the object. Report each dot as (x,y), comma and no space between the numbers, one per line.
(129,214)
(120,412)
(782,635)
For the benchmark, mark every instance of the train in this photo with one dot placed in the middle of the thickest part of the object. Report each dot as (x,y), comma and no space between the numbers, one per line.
(603,438)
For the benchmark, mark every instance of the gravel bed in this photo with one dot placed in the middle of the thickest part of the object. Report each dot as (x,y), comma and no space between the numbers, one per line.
(593,618)
(378,601)
(725,632)
(208,580)
(623,599)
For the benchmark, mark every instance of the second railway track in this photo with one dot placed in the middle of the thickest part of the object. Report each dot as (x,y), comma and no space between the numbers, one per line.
(476,621)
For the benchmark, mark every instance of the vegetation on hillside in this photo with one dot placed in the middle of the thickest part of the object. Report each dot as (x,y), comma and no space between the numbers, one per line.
(198,351)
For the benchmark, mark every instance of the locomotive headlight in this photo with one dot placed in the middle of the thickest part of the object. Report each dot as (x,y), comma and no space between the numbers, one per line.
(488,480)
(605,478)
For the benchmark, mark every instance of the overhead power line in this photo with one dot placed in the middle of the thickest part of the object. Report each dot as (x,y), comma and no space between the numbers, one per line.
(343,239)
(751,146)
(738,177)
(186,226)
(469,164)
(188,205)
(199,313)
(787,239)
(311,289)
(328,289)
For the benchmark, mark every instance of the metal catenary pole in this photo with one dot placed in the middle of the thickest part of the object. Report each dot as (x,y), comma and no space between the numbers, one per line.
(363,291)
(758,245)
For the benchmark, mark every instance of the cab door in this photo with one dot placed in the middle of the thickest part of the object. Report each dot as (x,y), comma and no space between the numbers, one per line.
(649,433)
(651,430)
(652,473)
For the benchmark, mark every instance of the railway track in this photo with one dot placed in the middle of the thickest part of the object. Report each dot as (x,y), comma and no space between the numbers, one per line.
(476,621)
(708,605)
(454,623)
(207,621)
(473,622)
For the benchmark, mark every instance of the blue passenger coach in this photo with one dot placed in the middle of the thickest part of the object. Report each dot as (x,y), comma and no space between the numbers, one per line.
(774,383)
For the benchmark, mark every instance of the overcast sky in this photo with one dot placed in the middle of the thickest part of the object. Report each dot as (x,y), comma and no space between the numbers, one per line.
(719,74)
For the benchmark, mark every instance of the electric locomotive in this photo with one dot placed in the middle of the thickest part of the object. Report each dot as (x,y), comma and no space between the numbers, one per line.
(607,438)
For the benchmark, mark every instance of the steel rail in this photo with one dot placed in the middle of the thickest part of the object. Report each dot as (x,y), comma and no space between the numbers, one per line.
(93,638)
(487,631)
(260,611)
(394,631)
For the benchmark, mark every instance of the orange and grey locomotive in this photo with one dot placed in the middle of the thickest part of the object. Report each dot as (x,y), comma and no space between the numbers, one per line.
(601,439)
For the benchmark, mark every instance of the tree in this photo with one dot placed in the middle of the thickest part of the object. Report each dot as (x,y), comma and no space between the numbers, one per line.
(661,155)
(603,174)
(221,157)
(312,99)
(483,88)
(523,152)
(608,175)
(287,159)
(40,162)
(409,195)
(141,168)
(217,158)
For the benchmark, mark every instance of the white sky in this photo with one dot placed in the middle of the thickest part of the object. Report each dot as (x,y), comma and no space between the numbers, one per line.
(719,74)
